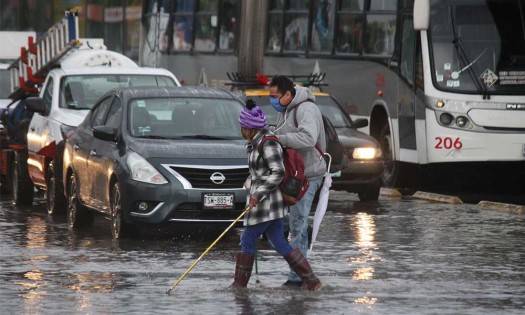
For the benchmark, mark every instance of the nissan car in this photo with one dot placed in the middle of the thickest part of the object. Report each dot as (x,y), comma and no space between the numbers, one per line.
(146,156)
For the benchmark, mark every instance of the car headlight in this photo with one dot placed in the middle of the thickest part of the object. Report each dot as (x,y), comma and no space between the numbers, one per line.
(142,171)
(366,153)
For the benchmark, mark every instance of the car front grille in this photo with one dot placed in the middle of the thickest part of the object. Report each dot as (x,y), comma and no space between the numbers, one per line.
(202,177)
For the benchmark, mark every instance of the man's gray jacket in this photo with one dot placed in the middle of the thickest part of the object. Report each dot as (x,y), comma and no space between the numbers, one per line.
(310,131)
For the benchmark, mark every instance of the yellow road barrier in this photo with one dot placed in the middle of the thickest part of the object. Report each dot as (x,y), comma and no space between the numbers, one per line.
(391,192)
(502,207)
(437,197)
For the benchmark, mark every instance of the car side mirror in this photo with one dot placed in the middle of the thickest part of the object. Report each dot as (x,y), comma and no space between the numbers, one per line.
(360,123)
(105,133)
(35,104)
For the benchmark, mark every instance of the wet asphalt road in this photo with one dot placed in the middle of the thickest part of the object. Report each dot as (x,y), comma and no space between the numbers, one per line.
(396,256)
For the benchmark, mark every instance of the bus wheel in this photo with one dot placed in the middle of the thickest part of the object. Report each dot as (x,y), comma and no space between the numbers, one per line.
(55,199)
(390,166)
(21,186)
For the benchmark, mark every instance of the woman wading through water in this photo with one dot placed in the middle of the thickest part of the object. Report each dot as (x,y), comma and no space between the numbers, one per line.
(266,202)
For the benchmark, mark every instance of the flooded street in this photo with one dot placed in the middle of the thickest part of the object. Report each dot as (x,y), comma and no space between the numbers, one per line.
(396,256)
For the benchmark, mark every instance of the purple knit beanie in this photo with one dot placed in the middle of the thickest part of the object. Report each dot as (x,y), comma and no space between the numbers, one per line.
(252,116)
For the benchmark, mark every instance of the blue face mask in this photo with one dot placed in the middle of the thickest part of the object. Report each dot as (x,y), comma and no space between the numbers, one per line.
(276,105)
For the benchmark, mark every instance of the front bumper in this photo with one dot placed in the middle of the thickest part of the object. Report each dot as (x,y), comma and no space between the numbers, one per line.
(171,203)
(357,175)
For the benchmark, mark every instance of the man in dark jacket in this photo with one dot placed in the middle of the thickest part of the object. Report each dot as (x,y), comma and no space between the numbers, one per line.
(303,137)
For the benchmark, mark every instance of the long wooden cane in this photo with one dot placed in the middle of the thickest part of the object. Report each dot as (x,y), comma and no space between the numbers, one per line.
(208,249)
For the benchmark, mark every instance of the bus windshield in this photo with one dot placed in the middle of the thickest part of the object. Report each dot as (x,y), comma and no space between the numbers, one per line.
(478,46)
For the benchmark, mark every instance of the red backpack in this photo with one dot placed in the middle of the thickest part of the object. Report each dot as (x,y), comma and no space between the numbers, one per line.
(294,184)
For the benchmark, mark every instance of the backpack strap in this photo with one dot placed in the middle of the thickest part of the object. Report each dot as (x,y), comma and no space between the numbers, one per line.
(296,108)
(264,139)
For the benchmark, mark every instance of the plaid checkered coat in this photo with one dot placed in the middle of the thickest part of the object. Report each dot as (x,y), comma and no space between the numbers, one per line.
(266,172)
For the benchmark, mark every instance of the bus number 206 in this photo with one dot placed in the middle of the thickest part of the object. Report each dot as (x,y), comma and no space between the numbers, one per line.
(448,143)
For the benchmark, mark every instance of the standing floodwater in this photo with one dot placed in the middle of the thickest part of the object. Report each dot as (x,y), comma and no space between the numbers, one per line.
(397,256)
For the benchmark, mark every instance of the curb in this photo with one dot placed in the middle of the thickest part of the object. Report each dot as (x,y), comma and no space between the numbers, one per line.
(437,197)
(391,192)
(502,207)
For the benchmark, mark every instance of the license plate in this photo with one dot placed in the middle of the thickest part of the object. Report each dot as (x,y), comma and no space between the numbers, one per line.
(218,200)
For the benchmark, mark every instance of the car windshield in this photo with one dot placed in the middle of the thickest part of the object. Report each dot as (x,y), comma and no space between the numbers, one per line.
(82,91)
(326,104)
(478,46)
(184,118)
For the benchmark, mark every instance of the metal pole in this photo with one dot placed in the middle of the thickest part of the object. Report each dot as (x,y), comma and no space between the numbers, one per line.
(252,37)
(256,267)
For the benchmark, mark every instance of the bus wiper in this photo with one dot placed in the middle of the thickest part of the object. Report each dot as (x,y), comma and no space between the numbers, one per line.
(480,87)
(456,74)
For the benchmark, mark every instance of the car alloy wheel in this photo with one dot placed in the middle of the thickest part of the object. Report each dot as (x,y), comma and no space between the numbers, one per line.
(77,215)
(116,219)
(72,203)
(15,184)
(119,228)
(50,195)
(55,201)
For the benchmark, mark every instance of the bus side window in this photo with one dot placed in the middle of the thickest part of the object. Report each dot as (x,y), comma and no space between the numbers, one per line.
(407,50)
(380,31)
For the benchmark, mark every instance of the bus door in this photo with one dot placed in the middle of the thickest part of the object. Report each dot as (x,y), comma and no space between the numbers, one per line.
(406,91)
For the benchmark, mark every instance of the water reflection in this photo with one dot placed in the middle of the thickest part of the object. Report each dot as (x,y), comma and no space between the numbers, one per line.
(35,278)
(365,300)
(364,228)
(34,293)
(376,258)
(255,300)
(363,273)
(36,232)
(94,282)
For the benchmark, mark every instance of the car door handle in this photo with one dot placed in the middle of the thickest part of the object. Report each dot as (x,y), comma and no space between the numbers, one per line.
(93,153)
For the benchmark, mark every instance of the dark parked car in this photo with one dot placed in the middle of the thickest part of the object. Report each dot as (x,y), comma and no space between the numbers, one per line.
(156,155)
(364,174)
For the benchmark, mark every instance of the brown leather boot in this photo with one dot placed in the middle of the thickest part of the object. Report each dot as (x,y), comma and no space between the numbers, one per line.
(300,265)
(243,270)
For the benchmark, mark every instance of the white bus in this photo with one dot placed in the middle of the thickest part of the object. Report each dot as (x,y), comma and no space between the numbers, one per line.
(450,105)
(445,98)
